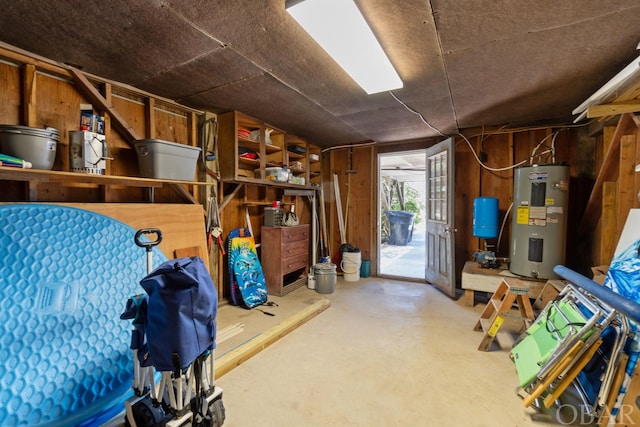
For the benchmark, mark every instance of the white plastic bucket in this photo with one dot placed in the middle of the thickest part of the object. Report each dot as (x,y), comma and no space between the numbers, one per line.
(350,265)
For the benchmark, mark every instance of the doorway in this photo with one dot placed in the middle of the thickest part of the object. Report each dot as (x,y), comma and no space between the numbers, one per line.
(416,232)
(402,185)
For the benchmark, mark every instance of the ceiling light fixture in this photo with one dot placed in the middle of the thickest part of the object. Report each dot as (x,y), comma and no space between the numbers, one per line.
(341,30)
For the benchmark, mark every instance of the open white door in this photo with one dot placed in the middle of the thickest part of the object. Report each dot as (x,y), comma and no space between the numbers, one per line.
(440,239)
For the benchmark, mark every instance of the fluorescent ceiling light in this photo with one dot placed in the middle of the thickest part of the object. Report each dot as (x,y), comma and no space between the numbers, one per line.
(340,29)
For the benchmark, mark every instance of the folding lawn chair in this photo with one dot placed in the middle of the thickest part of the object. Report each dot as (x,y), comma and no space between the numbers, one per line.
(561,342)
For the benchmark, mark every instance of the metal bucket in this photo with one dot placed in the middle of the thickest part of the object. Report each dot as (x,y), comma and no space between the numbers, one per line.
(325,274)
(37,146)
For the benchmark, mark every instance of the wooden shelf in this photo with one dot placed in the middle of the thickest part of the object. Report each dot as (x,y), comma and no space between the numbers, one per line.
(250,162)
(255,145)
(270,148)
(34,177)
(256,203)
(39,175)
(249,143)
(234,168)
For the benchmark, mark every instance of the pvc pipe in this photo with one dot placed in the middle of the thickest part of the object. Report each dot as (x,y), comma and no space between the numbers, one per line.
(629,308)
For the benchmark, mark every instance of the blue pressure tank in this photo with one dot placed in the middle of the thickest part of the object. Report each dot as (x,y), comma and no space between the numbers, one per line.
(485,217)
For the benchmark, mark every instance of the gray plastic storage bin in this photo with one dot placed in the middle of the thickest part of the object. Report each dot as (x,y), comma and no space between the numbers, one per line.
(166,160)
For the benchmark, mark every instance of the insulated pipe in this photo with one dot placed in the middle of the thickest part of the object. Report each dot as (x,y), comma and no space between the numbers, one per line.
(629,308)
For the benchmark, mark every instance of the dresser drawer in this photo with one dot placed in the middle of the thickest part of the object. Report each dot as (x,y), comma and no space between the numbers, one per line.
(295,248)
(295,234)
(294,263)
(285,257)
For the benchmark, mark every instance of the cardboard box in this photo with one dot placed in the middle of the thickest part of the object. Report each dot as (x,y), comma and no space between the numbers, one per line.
(91,123)
(599,273)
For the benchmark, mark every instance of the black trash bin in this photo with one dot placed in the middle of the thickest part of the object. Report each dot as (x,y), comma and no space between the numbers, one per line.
(400,227)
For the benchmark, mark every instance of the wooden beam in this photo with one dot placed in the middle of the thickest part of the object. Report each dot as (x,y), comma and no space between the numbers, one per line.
(246,351)
(108,95)
(182,192)
(7,52)
(150,122)
(29,96)
(609,223)
(38,175)
(607,137)
(44,64)
(230,196)
(626,180)
(632,92)
(608,172)
(130,136)
(613,109)
(192,131)
(87,89)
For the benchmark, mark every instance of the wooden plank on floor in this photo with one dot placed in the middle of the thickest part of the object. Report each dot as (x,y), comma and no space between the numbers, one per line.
(246,351)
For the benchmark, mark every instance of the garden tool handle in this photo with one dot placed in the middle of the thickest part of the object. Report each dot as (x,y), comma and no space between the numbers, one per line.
(151,243)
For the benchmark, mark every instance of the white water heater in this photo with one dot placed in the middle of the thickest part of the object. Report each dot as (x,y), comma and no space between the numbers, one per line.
(539,220)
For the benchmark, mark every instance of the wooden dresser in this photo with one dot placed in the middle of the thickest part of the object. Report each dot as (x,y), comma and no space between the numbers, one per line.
(285,257)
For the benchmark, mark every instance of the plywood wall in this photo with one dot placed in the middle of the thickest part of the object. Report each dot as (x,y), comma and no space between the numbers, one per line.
(48,97)
(503,151)
(616,188)
(41,96)
(356,169)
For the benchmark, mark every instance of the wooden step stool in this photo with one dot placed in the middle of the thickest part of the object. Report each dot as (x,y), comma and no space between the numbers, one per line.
(509,291)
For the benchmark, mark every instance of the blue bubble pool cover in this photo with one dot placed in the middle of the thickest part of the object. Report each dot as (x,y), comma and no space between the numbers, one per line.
(65,276)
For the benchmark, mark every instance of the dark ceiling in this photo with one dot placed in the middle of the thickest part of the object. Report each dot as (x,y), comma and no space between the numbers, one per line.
(464,63)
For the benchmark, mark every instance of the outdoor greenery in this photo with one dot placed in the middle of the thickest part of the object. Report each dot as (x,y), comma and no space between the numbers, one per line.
(413,202)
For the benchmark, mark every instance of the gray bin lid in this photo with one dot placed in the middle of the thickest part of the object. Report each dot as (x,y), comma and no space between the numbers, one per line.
(324,268)
(51,133)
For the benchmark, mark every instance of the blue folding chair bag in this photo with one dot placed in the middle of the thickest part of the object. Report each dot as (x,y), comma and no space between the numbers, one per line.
(181,313)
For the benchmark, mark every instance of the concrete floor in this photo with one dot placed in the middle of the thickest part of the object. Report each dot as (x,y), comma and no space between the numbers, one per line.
(385,353)
(407,261)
